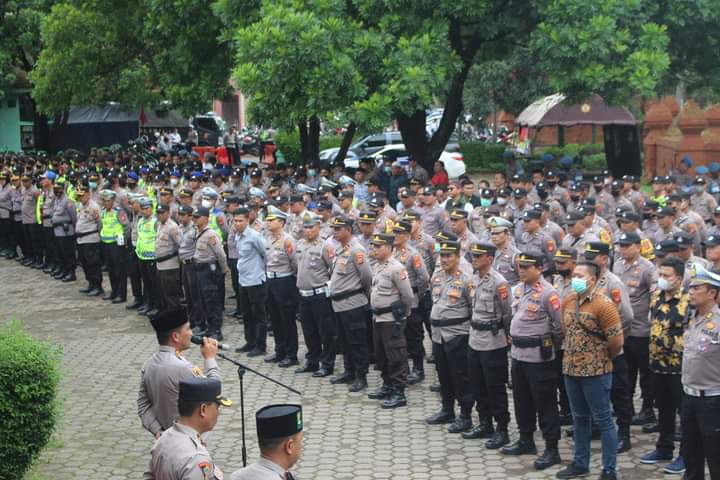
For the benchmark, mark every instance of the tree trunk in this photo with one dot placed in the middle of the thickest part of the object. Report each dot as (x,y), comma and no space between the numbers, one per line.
(303,129)
(346,141)
(412,129)
(60,121)
(314,140)
(41,131)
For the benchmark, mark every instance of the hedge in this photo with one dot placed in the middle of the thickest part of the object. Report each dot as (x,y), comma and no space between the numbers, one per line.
(288,142)
(29,375)
(481,156)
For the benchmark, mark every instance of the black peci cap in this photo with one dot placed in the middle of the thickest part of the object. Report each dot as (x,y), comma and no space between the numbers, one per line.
(279,421)
(169,319)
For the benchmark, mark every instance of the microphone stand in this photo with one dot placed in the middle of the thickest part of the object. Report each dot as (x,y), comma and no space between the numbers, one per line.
(241,373)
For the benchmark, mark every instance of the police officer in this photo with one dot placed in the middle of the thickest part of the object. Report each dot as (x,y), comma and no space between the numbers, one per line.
(701,377)
(365,223)
(180,453)
(565,259)
(210,264)
(419,277)
(133,264)
(112,231)
(433,215)
(315,259)
(282,267)
(577,235)
(161,373)
(280,440)
(167,244)
(390,300)
(186,252)
(536,334)
(452,294)
(28,198)
(535,239)
(145,252)
(87,234)
(63,221)
(46,207)
(505,251)
(350,283)
(487,352)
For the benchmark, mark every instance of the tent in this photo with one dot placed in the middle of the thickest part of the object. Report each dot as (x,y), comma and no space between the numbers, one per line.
(622,143)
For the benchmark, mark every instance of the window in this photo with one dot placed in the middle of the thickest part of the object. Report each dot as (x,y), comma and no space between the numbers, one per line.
(376,141)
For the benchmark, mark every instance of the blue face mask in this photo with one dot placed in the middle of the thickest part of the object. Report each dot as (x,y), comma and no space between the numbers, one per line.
(92,185)
(579,285)
(311,173)
(485,202)
(388,170)
(437,248)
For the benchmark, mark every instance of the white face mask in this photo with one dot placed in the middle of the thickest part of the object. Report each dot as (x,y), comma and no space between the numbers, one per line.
(501,201)
(206,203)
(173,181)
(664,284)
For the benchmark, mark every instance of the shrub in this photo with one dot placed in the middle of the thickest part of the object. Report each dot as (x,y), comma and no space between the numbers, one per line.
(594,163)
(29,375)
(481,156)
(288,142)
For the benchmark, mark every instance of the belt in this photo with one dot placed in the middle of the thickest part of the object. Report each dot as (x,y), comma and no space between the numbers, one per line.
(166,257)
(313,291)
(187,261)
(526,342)
(47,217)
(279,274)
(447,322)
(700,393)
(204,265)
(60,224)
(84,234)
(486,326)
(348,294)
(17,211)
(381,310)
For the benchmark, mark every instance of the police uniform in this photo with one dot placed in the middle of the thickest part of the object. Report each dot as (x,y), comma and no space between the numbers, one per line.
(32,232)
(210,263)
(538,241)
(87,235)
(273,422)
(315,259)
(391,299)
(180,453)
(701,386)
(63,221)
(145,252)
(536,335)
(505,262)
(6,244)
(46,204)
(452,295)
(487,353)
(186,252)
(432,217)
(350,283)
(282,267)
(161,374)
(167,262)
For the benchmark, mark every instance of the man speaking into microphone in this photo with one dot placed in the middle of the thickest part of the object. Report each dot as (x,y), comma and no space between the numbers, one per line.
(161,374)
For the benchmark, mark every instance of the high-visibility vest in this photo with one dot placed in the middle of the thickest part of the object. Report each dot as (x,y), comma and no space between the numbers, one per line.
(215,226)
(146,233)
(111,226)
(38,208)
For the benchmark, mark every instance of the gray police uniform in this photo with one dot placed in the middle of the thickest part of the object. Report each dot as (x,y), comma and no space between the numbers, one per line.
(167,262)
(49,248)
(87,235)
(452,296)
(505,262)
(282,267)
(420,282)
(433,219)
(210,265)
(539,241)
(180,454)
(263,469)
(63,221)
(160,383)
(487,355)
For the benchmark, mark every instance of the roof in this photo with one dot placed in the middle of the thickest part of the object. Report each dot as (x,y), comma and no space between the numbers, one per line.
(553,111)
(116,113)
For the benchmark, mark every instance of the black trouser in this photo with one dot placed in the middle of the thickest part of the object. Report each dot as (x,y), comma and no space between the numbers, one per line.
(488,375)
(564,402)
(700,421)
(148,273)
(391,355)
(5,234)
(209,280)
(89,254)
(36,234)
(232,263)
(352,330)
(19,238)
(620,395)
(27,246)
(282,305)
(253,301)
(534,391)
(169,288)
(66,251)
(133,271)
(414,335)
(452,369)
(50,247)
(196,315)
(318,326)
(637,358)
(667,391)
(425,308)
(116,257)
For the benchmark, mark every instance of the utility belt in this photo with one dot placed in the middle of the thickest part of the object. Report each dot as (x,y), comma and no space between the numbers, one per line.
(84,234)
(493,326)
(187,261)
(447,322)
(166,257)
(207,265)
(382,310)
(273,275)
(313,291)
(348,294)
(544,342)
(60,224)
(46,217)
(700,393)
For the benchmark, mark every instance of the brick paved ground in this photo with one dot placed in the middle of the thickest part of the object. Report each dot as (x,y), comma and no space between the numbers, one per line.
(347,435)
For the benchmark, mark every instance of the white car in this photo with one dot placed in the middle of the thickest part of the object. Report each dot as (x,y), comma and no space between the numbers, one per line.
(453,161)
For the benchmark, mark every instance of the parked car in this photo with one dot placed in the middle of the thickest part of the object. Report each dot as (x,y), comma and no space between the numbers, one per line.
(328,155)
(454,161)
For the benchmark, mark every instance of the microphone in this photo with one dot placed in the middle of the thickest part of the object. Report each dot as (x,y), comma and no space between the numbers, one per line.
(198,340)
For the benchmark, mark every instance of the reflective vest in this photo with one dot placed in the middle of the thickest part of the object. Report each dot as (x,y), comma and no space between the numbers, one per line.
(38,208)
(111,227)
(146,233)
(215,226)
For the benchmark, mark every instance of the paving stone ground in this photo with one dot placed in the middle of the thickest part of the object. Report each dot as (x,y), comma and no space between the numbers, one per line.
(347,435)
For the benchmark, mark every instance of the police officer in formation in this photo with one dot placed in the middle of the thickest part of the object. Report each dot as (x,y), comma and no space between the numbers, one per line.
(475,275)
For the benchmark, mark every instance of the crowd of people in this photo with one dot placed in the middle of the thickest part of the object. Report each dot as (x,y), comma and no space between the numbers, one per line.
(580,288)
